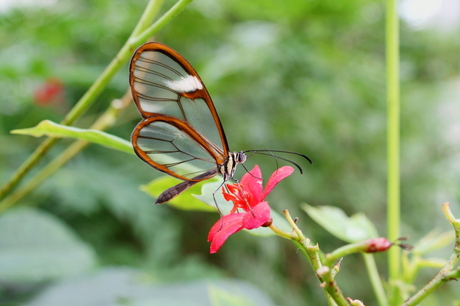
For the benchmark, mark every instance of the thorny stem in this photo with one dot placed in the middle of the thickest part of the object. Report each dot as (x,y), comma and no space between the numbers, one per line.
(325,274)
(375,279)
(370,264)
(447,273)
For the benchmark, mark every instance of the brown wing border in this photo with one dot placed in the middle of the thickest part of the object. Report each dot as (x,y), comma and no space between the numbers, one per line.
(214,151)
(200,93)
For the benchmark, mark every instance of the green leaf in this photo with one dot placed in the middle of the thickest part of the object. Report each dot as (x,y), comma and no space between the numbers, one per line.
(336,222)
(433,241)
(436,263)
(184,201)
(52,129)
(36,246)
(207,190)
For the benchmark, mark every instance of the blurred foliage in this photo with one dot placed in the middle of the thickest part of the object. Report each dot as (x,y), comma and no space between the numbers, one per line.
(304,76)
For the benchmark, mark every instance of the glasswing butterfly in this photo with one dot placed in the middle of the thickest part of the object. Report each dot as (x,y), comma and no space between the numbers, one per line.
(181,133)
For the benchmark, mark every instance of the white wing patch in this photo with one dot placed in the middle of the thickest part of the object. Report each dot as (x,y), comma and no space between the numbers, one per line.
(188,84)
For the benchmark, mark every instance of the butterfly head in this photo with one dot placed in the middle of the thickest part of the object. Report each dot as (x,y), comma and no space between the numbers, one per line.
(239,157)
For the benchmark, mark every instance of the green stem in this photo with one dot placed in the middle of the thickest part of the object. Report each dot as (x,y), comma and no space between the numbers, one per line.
(160,23)
(30,162)
(106,120)
(372,271)
(151,10)
(324,274)
(447,273)
(315,261)
(330,285)
(345,250)
(375,279)
(82,105)
(444,275)
(90,96)
(393,207)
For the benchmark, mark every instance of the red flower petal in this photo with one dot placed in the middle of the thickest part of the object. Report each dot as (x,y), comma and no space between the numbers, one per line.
(259,215)
(247,195)
(229,196)
(275,178)
(252,182)
(222,223)
(223,228)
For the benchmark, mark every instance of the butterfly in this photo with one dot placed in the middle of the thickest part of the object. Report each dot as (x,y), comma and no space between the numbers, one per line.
(180,133)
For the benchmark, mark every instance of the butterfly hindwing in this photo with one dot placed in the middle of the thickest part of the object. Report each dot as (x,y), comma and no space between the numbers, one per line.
(173,146)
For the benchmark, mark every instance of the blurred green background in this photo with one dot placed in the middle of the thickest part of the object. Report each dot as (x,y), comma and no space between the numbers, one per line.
(303,76)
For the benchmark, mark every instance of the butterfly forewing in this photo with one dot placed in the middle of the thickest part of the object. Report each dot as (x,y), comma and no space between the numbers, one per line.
(158,81)
(181,134)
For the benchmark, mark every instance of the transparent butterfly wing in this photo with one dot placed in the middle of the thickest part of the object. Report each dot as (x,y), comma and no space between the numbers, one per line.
(172,146)
(163,82)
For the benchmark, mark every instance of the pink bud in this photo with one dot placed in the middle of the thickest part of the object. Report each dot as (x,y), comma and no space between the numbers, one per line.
(376,245)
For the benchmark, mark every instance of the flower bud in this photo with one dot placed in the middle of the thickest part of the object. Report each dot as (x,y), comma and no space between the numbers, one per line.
(376,245)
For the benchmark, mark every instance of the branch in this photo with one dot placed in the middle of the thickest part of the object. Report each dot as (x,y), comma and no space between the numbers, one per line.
(447,273)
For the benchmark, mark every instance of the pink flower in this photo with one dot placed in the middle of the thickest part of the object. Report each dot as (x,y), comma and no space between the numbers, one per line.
(248,195)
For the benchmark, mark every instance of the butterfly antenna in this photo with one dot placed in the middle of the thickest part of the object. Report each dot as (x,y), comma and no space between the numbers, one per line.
(270,153)
(281,151)
(285,159)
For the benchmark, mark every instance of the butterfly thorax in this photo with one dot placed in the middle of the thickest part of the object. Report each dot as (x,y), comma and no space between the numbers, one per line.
(228,167)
